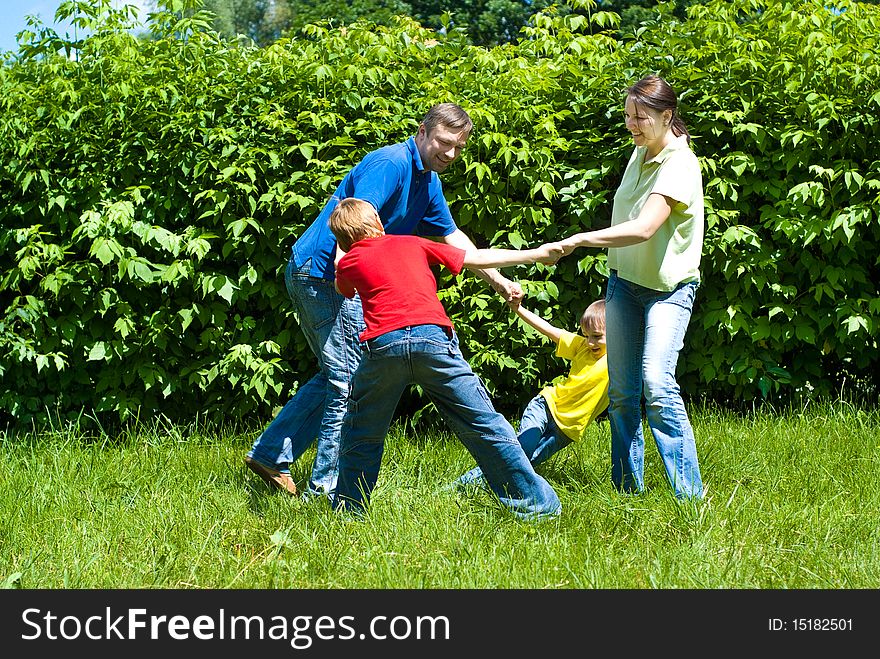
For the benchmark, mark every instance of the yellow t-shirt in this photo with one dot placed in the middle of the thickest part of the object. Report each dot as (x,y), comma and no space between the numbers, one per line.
(580,397)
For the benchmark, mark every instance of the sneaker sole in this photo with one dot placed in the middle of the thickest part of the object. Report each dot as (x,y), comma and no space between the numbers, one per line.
(271,477)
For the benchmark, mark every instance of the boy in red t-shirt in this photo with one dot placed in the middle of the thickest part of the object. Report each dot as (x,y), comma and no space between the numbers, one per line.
(409,339)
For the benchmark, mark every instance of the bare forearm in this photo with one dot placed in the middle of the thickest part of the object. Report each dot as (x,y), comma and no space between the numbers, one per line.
(545,328)
(490,258)
(653,214)
(338,255)
(488,274)
(484,261)
(485,272)
(620,235)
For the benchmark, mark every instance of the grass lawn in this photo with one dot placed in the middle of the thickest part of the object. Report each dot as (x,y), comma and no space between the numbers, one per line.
(793,503)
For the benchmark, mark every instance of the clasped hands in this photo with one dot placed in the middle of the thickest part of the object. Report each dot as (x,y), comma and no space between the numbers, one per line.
(550,253)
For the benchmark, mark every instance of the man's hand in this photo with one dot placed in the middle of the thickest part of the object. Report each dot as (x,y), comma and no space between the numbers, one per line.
(511,291)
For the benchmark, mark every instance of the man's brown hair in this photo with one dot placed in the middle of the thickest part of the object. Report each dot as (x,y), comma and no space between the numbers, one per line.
(450,115)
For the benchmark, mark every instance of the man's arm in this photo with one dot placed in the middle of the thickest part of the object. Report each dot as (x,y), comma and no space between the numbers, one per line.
(509,290)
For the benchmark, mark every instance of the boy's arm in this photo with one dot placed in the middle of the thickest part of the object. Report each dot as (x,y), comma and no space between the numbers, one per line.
(548,254)
(339,254)
(343,286)
(336,258)
(509,290)
(550,331)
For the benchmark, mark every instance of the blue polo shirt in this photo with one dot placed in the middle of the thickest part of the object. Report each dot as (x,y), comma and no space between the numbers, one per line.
(409,201)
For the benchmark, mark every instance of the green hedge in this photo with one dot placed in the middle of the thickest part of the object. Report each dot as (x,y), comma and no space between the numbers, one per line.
(152,188)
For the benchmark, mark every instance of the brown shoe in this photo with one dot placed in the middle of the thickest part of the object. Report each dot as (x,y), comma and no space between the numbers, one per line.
(272,477)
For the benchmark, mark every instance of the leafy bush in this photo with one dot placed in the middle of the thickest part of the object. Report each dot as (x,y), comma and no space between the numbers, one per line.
(152,189)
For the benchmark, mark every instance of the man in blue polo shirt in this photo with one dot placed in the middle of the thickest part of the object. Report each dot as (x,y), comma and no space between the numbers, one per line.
(401,181)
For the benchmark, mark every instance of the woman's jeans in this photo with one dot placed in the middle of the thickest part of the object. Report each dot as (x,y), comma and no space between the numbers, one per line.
(645,332)
(428,356)
(331,324)
(539,437)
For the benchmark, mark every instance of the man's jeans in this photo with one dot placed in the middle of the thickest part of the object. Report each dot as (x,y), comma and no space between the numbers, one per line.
(429,357)
(539,437)
(645,332)
(331,324)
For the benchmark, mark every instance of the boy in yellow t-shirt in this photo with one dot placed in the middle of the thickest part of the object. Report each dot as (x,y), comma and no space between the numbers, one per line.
(558,415)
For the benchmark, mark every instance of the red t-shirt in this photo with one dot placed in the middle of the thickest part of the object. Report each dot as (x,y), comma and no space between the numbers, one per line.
(393,276)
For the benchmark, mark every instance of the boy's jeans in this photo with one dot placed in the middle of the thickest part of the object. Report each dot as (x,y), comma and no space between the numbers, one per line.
(539,437)
(331,324)
(427,356)
(645,331)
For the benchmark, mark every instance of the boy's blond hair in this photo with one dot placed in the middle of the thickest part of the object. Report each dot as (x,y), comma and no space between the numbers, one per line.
(352,220)
(594,315)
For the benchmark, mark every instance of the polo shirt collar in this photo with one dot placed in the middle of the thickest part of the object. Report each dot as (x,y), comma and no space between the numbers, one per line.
(675,144)
(417,158)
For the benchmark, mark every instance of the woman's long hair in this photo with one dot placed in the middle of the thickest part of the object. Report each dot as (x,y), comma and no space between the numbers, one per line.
(654,92)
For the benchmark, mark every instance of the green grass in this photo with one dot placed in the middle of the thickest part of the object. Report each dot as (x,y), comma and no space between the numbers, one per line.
(793,502)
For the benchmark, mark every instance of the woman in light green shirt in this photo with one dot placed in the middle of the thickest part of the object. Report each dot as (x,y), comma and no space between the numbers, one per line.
(654,243)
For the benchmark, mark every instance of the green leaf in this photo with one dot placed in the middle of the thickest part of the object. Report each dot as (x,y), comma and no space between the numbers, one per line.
(805,333)
(138,268)
(12,581)
(106,250)
(855,323)
(227,289)
(123,327)
(98,352)
(186,317)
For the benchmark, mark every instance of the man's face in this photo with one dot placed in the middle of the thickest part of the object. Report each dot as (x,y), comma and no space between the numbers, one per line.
(439,148)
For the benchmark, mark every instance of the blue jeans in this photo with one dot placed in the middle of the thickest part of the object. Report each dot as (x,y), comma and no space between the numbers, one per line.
(645,332)
(429,357)
(331,324)
(539,437)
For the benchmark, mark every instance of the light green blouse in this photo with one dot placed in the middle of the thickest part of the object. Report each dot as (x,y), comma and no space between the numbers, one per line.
(672,255)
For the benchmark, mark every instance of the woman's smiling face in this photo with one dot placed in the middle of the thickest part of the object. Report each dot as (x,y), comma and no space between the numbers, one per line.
(648,127)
